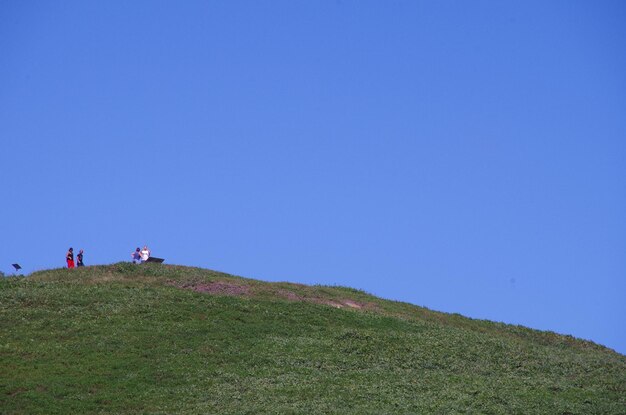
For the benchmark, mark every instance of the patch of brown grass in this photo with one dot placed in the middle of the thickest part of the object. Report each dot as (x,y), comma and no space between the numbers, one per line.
(214,287)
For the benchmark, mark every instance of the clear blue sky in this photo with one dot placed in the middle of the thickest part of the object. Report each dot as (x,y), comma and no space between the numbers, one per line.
(468,157)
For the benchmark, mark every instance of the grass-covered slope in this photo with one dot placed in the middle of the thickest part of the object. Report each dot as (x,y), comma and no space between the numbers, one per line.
(166,339)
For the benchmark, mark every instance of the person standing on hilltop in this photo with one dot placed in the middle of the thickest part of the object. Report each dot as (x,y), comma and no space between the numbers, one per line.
(136,256)
(145,253)
(70,258)
(79,259)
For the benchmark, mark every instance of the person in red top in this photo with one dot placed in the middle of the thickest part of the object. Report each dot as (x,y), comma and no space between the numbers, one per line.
(70,258)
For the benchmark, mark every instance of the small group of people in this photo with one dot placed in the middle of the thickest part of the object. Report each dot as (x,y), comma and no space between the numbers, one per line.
(140,255)
(69,257)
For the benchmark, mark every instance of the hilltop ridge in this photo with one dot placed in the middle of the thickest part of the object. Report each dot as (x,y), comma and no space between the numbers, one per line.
(126,338)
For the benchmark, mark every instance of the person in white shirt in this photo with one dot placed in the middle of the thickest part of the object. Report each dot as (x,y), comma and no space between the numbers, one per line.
(145,253)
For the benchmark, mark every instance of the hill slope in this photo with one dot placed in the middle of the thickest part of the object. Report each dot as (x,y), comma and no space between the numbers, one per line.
(168,339)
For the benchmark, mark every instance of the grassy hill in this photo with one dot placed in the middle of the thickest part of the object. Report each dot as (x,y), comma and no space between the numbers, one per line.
(125,339)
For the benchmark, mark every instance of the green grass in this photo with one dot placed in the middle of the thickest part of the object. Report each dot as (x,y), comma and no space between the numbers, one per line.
(126,339)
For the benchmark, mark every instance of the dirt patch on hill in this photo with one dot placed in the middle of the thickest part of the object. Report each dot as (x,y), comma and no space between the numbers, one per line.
(234,289)
(289,295)
(340,303)
(215,288)
(337,303)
